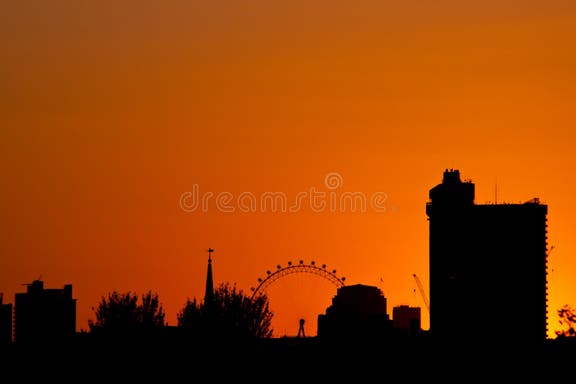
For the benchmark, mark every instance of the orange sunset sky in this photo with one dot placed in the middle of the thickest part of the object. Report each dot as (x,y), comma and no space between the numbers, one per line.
(113,111)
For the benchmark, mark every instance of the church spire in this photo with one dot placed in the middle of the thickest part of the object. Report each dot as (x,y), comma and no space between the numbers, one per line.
(209,295)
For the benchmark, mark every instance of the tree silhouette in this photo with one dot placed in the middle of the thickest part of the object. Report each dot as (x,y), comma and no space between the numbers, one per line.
(231,315)
(121,312)
(567,321)
(191,315)
(150,312)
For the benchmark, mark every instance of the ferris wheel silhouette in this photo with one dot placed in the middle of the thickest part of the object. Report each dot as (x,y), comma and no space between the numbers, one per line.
(322,271)
(292,268)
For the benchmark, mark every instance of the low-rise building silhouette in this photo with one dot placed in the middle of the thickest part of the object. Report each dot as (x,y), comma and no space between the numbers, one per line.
(358,312)
(406,320)
(42,315)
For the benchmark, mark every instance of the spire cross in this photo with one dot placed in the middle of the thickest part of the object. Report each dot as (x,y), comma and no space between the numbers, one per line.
(210,250)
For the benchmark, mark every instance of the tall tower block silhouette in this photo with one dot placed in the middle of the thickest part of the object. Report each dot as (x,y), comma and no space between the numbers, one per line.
(488,266)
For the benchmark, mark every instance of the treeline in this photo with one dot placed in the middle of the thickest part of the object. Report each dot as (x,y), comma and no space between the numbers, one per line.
(230,313)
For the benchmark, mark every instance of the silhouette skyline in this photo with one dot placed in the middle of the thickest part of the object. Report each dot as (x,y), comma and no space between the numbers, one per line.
(358,314)
(137,134)
(307,131)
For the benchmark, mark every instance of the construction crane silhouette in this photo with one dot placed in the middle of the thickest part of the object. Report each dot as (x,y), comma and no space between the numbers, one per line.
(422,293)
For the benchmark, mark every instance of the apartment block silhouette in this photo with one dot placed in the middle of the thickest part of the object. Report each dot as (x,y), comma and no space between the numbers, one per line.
(44,315)
(487,266)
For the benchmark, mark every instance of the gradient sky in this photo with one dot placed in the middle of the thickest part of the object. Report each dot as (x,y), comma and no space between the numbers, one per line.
(112,111)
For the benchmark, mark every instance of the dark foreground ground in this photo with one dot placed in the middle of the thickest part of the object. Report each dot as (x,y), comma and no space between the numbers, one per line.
(287,360)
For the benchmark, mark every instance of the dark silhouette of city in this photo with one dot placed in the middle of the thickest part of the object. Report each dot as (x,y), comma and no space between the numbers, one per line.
(480,257)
